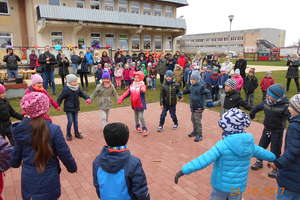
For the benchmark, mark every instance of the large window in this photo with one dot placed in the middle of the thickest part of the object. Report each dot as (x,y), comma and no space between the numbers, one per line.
(147,9)
(110,40)
(95,4)
(124,42)
(109,5)
(54,2)
(5,39)
(123,6)
(168,43)
(135,42)
(147,41)
(56,38)
(4,8)
(80,3)
(169,11)
(157,10)
(157,42)
(135,7)
(96,39)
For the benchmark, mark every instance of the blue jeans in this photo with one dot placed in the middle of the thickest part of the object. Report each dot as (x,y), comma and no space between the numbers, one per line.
(153,83)
(12,73)
(74,68)
(287,195)
(49,79)
(72,118)
(172,110)
(218,195)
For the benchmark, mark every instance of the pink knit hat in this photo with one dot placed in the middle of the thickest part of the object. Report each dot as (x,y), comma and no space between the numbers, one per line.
(2,89)
(35,104)
(36,78)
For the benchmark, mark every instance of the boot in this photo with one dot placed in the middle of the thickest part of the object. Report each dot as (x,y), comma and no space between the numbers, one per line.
(198,138)
(192,134)
(257,165)
(78,135)
(69,137)
(272,174)
(159,129)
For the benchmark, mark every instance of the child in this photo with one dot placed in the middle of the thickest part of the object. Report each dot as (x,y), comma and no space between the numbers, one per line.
(250,86)
(178,74)
(104,92)
(126,75)
(265,83)
(137,91)
(239,80)
(70,95)
(63,68)
(231,157)
(98,73)
(212,83)
(223,77)
(198,95)
(288,164)
(116,173)
(153,76)
(6,112)
(118,75)
(169,93)
(276,112)
(39,147)
(5,158)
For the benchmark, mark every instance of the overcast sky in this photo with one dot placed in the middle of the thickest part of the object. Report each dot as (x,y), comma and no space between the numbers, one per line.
(204,16)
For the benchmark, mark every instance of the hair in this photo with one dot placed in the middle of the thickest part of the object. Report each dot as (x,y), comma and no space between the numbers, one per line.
(116,134)
(40,143)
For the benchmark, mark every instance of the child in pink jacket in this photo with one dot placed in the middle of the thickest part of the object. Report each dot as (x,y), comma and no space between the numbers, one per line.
(239,79)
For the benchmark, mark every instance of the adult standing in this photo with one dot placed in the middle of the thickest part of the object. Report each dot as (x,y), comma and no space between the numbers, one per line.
(182,61)
(293,72)
(105,58)
(162,68)
(227,65)
(11,60)
(63,66)
(83,71)
(241,64)
(47,61)
(89,59)
(171,62)
(75,59)
(33,60)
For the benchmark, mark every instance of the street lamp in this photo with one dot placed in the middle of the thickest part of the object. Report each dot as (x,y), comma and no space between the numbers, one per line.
(230,17)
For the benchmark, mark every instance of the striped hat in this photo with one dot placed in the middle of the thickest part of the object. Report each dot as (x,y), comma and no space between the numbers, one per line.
(295,102)
(231,83)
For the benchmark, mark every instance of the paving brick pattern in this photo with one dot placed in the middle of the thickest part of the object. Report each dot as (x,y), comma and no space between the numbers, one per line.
(162,155)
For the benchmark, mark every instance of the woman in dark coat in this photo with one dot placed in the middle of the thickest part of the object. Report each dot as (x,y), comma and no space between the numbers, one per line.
(293,72)
(83,71)
(63,67)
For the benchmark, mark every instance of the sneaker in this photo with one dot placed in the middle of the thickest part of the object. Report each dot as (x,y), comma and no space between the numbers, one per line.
(69,137)
(159,129)
(175,126)
(257,165)
(192,134)
(198,138)
(272,174)
(139,130)
(145,133)
(78,136)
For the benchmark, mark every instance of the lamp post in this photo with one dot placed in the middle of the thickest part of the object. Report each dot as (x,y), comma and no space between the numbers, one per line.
(230,17)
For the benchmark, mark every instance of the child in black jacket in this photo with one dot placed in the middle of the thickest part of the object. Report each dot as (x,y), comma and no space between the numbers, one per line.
(250,86)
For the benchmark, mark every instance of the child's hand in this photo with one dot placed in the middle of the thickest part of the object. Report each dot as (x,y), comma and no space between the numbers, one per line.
(88,101)
(58,109)
(119,101)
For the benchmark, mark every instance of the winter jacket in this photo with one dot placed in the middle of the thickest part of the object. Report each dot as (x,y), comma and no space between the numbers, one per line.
(71,99)
(52,101)
(289,162)
(275,115)
(89,58)
(169,93)
(47,67)
(199,94)
(240,82)
(75,59)
(45,185)
(119,72)
(83,68)
(126,74)
(251,83)
(222,79)
(171,64)
(162,66)
(98,74)
(178,73)
(11,61)
(137,97)
(104,96)
(153,72)
(234,100)
(227,66)
(231,157)
(6,151)
(293,70)
(266,82)
(206,76)
(63,67)
(119,176)
(241,64)
(32,60)
(187,74)
(182,61)
(105,59)
(212,80)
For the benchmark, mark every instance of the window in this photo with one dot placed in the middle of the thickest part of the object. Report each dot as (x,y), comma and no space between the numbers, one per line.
(169,11)
(147,9)
(96,39)
(57,38)
(4,7)
(147,41)
(123,6)
(157,42)
(109,5)
(135,40)
(5,39)
(54,2)
(124,42)
(80,3)
(110,40)
(157,10)
(168,43)
(95,4)
(135,7)
(81,43)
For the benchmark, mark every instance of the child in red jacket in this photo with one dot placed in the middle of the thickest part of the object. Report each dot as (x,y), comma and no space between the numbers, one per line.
(265,83)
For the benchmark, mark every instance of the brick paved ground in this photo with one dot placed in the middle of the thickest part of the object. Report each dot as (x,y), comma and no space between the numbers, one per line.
(162,155)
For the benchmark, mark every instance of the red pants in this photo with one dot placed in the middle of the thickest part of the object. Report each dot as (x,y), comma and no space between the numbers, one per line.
(1,185)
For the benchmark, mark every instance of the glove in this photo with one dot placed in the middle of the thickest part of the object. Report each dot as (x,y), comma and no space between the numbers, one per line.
(252,115)
(178,175)
(210,104)
(88,101)
(119,101)
(58,109)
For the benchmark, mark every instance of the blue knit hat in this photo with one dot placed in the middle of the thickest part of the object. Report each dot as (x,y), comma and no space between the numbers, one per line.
(169,73)
(195,75)
(276,91)
(105,75)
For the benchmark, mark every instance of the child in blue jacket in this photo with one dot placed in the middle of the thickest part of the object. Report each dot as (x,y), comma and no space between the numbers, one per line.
(117,174)
(231,157)
(212,84)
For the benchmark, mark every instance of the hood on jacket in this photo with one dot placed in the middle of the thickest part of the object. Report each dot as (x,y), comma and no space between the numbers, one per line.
(240,144)
(22,131)
(112,162)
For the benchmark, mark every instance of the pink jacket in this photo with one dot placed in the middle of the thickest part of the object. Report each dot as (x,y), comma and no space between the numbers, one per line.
(240,82)
(126,75)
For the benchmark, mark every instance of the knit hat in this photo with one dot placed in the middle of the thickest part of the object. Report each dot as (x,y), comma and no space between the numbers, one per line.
(276,91)
(2,89)
(36,78)
(140,74)
(116,134)
(35,104)
(237,71)
(195,76)
(268,72)
(71,77)
(105,75)
(252,69)
(231,83)
(234,121)
(169,73)
(295,102)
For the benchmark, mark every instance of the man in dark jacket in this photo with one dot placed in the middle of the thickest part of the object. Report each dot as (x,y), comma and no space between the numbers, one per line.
(162,68)
(76,60)
(241,64)
(169,93)
(276,112)
(171,62)
(63,68)
(48,62)
(11,60)
(293,72)
(117,173)
(251,83)
(288,164)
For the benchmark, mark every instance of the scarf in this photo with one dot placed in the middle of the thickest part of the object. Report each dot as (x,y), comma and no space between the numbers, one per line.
(272,103)
(73,88)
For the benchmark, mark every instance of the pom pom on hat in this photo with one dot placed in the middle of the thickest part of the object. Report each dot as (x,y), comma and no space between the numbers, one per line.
(2,89)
